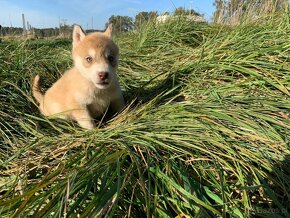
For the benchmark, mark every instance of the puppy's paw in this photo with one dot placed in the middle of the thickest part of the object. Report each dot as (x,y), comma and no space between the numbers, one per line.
(86,124)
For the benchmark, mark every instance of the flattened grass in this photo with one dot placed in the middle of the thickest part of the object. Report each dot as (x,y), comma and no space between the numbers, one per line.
(205,133)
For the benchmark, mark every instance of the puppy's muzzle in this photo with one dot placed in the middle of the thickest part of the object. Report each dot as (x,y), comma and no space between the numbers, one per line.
(103,77)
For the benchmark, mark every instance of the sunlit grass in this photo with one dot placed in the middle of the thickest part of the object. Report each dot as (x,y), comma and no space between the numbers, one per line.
(205,132)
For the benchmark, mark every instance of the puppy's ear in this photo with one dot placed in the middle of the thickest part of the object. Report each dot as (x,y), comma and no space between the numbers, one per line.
(78,35)
(109,30)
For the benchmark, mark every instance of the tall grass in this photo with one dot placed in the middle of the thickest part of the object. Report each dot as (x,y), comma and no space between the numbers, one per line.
(236,12)
(205,132)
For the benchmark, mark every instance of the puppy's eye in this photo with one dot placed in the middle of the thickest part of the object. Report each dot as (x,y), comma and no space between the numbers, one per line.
(111,58)
(89,59)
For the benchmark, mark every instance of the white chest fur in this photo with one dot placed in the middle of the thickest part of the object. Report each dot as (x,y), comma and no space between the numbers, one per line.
(96,101)
(98,106)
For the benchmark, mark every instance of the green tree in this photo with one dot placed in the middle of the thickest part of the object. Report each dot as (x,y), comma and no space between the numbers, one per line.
(121,23)
(144,17)
(182,11)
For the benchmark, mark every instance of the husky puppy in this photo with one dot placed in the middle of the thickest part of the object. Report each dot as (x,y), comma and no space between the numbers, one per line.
(85,91)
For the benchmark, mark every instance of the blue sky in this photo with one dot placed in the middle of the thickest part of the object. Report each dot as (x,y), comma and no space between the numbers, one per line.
(46,13)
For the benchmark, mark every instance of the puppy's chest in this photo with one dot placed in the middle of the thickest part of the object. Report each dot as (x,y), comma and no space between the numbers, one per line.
(98,105)
(96,102)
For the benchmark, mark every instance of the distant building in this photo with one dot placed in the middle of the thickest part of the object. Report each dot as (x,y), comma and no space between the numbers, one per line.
(163,18)
(195,18)
(166,17)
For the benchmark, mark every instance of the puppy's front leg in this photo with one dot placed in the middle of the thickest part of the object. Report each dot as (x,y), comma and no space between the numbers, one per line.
(83,118)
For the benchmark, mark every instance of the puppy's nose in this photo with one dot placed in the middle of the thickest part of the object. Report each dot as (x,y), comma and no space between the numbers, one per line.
(103,75)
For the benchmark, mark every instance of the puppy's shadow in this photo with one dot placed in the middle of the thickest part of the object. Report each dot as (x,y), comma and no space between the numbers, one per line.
(165,89)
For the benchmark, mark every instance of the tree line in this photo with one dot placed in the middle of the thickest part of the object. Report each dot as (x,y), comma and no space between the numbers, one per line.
(120,24)
(126,23)
(63,31)
(226,12)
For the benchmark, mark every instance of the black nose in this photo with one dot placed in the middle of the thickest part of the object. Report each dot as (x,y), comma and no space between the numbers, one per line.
(103,75)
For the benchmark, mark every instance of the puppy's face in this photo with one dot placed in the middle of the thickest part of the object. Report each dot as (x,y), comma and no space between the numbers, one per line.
(96,56)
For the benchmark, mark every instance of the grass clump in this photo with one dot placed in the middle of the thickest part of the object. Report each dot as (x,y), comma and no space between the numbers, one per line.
(205,132)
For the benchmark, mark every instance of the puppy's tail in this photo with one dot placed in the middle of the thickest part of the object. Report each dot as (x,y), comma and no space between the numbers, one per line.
(36,89)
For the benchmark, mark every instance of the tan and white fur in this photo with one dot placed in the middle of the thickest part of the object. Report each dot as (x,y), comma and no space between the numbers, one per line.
(85,91)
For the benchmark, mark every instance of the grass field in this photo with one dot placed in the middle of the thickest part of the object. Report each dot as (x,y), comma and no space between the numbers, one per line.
(205,132)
